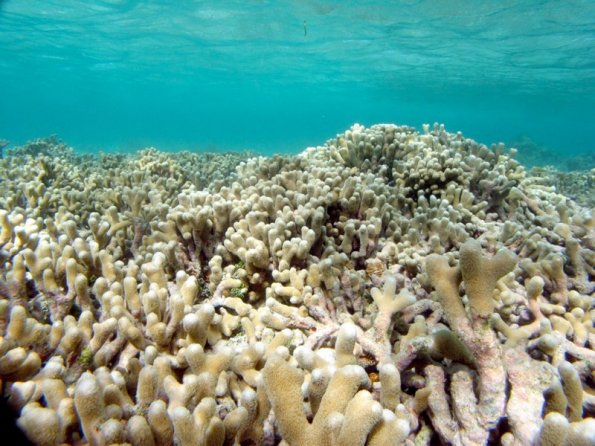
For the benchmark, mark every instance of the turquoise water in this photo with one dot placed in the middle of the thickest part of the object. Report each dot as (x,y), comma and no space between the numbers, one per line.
(277,76)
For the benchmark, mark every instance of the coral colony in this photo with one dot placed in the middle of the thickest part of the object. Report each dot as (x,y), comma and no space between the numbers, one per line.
(389,287)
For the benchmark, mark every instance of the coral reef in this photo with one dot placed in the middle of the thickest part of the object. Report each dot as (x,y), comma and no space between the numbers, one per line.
(387,287)
(572,176)
(578,185)
(3,143)
(50,146)
(534,154)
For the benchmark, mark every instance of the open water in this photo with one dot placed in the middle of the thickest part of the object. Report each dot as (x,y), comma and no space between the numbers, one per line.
(279,75)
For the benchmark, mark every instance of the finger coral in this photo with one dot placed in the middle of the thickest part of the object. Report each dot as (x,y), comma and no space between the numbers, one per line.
(387,287)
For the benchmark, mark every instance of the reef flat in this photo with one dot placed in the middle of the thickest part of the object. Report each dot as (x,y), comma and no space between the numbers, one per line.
(387,287)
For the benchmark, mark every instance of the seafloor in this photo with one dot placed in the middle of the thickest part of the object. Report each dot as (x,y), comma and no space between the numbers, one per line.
(388,287)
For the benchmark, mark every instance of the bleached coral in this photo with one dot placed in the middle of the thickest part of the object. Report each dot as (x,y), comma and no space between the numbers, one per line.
(139,306)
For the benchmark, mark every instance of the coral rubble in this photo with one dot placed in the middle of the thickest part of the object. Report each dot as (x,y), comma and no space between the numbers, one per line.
(388,287)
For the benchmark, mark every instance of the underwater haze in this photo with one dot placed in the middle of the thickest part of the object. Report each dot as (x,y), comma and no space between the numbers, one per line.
(277,76)
(399,276)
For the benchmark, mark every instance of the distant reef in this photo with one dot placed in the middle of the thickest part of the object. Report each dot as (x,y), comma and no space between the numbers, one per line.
(387,287)
(533,154)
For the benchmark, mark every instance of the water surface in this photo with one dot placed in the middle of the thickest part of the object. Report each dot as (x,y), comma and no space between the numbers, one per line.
(277,76)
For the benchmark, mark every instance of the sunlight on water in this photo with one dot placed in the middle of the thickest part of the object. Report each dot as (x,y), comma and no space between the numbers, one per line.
(280,75)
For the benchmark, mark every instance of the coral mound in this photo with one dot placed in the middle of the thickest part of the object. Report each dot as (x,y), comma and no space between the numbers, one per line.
(388,287)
